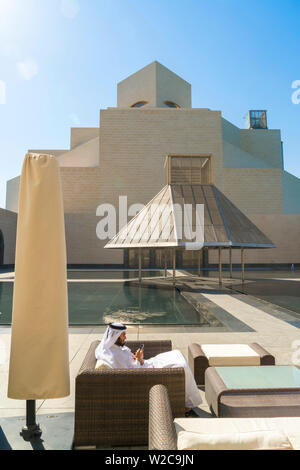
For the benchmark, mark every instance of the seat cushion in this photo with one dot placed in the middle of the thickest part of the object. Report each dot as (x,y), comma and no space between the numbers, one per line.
(290,426)
(230,355)
(102,365)
(252,440)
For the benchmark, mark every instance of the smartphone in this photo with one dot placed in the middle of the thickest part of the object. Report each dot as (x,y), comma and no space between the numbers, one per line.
(142,346)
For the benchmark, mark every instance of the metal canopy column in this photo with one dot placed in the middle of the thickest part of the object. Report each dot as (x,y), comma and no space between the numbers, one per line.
(174,265)
(140,265)
(166,265)
(243,264)
(220,265)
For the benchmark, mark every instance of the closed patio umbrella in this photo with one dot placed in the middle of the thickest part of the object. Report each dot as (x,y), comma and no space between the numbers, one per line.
(39,363)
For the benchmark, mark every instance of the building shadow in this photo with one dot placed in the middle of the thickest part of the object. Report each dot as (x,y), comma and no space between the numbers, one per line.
(37,444)
(4,444)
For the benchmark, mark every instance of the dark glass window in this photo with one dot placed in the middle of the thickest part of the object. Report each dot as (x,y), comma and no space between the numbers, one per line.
(170,104)
(139,104)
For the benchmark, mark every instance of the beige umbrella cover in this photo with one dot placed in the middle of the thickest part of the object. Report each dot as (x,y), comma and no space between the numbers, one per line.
(39,363)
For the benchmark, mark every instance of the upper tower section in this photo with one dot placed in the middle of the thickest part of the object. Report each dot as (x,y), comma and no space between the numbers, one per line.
(154,86)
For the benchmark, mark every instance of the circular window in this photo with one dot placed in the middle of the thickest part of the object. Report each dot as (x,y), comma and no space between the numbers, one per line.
(139,104)
(170,104)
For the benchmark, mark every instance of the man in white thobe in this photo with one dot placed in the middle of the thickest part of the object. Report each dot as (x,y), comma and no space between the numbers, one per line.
(113,351)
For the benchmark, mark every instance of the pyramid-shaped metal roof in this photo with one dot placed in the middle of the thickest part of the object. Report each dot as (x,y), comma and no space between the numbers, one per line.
(162,222)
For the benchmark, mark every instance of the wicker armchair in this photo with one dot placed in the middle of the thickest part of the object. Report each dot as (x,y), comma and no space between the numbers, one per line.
(112,406)
(162,432)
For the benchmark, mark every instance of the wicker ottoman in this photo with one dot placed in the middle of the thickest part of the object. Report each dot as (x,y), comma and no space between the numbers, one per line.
(217,355)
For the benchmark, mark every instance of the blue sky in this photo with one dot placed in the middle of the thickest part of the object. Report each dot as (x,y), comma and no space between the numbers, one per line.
(60,62)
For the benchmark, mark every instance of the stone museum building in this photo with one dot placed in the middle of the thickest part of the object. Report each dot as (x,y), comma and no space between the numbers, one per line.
(126,156)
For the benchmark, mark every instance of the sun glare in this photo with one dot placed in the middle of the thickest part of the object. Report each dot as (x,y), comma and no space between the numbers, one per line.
(15,15)
(9,9)
(7,6)
(12,9)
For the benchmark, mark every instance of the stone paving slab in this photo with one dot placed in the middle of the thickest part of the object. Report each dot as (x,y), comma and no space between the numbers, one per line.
(58,431)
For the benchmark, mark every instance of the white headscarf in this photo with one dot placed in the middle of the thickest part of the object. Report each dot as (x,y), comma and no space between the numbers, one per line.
(113,332)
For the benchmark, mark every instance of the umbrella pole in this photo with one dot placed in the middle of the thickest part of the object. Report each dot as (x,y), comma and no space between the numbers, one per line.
(32,429)
(230,262)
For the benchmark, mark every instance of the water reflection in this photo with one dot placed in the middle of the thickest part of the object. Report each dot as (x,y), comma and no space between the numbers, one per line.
(96,303)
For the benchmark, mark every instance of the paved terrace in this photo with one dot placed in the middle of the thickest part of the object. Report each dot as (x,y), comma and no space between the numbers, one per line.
(246,318)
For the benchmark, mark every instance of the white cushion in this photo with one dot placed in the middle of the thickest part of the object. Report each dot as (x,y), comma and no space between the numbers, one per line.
(230,355)
(102,365)
(290,426)
(253,440)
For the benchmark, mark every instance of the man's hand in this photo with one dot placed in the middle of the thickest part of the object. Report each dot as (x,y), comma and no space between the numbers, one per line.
(139,356)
